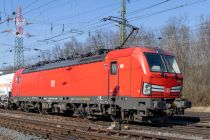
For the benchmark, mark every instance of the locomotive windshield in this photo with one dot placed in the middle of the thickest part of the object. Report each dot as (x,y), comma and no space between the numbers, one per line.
(162,63)
(171,64)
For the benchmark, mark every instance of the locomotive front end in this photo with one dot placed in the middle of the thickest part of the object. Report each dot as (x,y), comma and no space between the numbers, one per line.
(163,83)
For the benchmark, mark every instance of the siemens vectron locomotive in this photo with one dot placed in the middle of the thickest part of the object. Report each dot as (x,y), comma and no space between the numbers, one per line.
(130,84)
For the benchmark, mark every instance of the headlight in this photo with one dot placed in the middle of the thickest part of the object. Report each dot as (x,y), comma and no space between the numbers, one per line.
(147,89)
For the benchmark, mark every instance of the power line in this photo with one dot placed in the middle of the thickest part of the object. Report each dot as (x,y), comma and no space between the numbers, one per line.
(84,26)
(86,12)
(48,9)
(180,6)
(144,16)
(30,4)
(166,10)
(101,27)
(82,13)
(156,4)
(65,38)
(148,7)
(43,5)
(62,39)
(96,28)
(87,22)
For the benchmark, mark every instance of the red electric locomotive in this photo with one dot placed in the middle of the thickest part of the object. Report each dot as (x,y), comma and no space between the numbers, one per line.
(130,84)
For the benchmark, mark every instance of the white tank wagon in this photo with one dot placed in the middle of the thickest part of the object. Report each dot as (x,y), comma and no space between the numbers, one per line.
(6,85)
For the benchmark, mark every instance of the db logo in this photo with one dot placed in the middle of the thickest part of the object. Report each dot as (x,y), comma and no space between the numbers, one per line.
(168,90)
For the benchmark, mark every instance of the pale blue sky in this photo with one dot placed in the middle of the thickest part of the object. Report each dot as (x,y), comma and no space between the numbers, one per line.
(82,16)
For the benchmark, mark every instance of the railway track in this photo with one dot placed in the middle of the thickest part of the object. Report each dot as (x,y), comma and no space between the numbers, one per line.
(74,128)
(196,125)
(174,120)
(193,130)
(63,132)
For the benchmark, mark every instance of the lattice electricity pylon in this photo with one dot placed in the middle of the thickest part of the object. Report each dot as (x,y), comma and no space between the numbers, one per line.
(18,55)
(19,50)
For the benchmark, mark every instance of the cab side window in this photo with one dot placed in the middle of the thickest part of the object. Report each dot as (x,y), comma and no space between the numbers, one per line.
(113,68)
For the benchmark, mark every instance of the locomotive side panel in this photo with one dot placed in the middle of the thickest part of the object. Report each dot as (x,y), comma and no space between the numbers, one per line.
(124,76)
(88,80)
(136,76)
(65,81)
(27,85)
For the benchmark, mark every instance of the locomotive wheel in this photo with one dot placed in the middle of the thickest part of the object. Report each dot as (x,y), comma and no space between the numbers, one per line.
(116,118)
(44,111)
(22,106)
(26,109)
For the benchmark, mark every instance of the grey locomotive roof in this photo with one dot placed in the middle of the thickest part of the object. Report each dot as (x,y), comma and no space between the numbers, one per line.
(64,63)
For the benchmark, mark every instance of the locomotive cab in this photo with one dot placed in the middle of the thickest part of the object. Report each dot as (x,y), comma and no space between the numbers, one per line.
(145,83)
(163,83)
(164,77)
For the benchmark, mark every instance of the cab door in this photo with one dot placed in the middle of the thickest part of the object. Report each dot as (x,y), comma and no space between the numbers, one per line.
(113,78)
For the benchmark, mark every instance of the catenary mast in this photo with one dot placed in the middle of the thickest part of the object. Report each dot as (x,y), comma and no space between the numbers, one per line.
(123,20)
